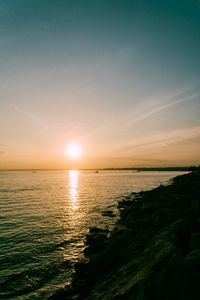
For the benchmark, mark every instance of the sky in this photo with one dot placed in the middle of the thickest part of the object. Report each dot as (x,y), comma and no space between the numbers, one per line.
(120,78)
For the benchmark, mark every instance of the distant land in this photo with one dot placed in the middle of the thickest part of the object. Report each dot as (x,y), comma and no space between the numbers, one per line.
(188,168)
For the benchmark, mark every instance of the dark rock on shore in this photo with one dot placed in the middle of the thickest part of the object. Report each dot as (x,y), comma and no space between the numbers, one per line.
(108,213)
(152,254)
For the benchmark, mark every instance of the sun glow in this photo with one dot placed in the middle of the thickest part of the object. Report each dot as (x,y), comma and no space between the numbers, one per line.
(74,151)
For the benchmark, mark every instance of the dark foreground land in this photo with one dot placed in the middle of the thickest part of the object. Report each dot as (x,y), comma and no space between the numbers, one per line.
(153,253)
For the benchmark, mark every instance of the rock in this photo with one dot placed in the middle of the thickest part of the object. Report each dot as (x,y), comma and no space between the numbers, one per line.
(108,213)
(95,241)
(98,230)
(193,271)
(81,267)
(94,249)
(195,241)
(95,238)
(63,293)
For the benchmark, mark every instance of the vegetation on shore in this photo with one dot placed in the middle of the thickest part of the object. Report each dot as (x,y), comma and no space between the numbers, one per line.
(153,253)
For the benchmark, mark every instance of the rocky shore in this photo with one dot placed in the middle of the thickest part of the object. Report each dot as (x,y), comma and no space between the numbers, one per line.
(152,254)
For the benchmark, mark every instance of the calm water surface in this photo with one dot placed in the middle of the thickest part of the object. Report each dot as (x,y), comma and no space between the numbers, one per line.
(44,217)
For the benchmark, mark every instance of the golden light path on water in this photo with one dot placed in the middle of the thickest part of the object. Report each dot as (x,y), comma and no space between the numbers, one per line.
(74,218)
(73,188)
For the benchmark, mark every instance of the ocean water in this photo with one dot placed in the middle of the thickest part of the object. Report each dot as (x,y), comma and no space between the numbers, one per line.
(44,217)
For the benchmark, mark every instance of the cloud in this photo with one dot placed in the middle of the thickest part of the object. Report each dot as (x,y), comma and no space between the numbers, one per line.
(37,119)
(2,152)
(165,104)
(164,139)
(32,116)
(149,108)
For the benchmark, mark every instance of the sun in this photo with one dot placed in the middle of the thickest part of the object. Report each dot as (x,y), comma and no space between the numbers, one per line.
(74,151)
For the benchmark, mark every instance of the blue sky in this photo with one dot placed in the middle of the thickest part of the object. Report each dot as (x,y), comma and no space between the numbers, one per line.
(119,77)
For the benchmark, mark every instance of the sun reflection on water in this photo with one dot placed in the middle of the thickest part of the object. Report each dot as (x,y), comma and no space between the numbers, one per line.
(73,188)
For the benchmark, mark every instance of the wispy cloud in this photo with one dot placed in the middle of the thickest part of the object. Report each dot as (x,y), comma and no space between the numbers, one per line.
(163,139)
(150,107)
(36,119)
(39,121)
(164,104)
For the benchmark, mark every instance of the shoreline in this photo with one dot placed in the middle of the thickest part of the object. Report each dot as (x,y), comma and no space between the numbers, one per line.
(152,253)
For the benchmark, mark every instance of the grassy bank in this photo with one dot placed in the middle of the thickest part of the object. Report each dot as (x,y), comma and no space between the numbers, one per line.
(153,253)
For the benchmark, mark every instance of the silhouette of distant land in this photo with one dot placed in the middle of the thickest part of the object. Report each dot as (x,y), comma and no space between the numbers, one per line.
(177,168)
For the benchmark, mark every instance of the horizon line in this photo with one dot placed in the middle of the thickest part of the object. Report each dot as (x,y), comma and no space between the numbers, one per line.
(106,168)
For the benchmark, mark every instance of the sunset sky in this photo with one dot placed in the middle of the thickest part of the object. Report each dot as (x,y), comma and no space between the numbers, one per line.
(119,78)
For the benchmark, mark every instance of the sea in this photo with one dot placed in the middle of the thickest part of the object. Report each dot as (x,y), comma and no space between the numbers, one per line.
(44,217)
